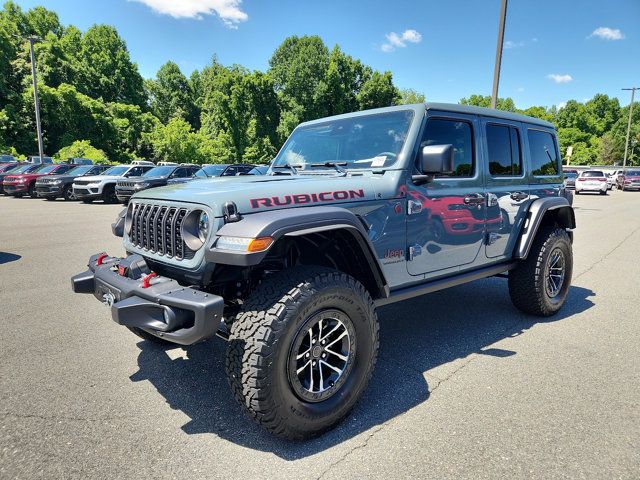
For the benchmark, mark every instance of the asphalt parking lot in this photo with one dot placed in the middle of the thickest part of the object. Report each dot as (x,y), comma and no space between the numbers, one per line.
(465,386)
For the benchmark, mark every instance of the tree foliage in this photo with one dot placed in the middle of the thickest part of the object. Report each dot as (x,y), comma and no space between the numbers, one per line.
(82,149)
(92,94)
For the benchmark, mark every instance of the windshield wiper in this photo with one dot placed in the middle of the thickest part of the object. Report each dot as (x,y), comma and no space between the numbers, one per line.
(337,165)
(288,166)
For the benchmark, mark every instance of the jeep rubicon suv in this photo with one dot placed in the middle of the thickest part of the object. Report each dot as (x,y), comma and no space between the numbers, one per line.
(156,177)
(290,267)
(56,186)
(103,186)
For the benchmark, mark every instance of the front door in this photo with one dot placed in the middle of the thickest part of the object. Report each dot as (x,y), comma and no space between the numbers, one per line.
(446,217)
(506,185)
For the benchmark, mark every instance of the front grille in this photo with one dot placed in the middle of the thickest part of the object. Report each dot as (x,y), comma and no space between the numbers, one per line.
(157,228)
(83,182)
(46,180)
(126,184)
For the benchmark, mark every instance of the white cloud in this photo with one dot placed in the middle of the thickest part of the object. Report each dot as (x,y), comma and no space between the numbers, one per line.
(508,44)
(520,89)
(561,105)
(556,77)
(395,40)
(607,33)
(511,44)
(229,11)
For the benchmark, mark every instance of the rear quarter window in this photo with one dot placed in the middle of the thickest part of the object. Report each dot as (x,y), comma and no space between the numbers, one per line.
(543,153)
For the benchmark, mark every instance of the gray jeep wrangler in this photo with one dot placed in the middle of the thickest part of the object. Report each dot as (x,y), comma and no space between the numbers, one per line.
(356,211)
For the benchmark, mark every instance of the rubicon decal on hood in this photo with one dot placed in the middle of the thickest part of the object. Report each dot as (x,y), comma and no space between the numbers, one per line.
(304,198)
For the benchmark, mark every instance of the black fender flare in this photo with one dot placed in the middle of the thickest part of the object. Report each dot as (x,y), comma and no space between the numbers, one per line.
(294,223)
(563,214)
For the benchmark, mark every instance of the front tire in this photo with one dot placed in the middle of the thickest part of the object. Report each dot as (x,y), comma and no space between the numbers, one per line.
(68,194)
(302,350)
(540,284)
(109,194)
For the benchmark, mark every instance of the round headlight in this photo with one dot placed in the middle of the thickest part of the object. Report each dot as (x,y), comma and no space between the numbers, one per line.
(203,226)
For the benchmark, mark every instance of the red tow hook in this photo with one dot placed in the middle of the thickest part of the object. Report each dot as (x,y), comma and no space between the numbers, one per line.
(101,258)
(146,280)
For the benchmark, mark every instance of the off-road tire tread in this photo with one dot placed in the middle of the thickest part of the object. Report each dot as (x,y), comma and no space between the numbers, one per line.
(260,322)
(526,282)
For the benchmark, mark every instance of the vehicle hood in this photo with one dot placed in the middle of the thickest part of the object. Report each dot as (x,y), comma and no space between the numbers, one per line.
(259,193)
(145,179)
(62,177)
(23,176)
(100,178)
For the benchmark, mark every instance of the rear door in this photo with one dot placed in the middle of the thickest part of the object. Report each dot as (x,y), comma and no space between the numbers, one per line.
(506,185)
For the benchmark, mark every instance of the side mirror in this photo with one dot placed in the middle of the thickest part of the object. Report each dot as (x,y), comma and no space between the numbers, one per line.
(434,159)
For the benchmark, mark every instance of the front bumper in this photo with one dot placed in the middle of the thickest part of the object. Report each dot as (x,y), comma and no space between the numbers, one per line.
(49,190)
(164,308)
(85,193)
(124,194)
(12,189)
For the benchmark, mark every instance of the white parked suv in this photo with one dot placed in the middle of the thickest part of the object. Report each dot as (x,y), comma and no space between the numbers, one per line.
(592,181)
(103,187)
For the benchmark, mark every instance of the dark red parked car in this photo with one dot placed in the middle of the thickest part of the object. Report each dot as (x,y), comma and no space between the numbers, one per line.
(629,180)
(24,183)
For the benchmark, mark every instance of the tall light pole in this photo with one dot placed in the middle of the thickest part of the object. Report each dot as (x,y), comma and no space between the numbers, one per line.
(626,143)
(33,39)
(496,69)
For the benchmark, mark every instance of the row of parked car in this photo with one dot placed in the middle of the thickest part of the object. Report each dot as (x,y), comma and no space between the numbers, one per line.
(599,181)
(80,179)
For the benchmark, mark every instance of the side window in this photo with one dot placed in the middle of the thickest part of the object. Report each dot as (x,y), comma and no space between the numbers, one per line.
(503,145)
(544,157)
(457,133)
(181,173)
(229,172)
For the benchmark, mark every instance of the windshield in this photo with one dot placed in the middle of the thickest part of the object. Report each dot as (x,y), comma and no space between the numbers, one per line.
(80,170)
(633,173)
(210,171)
(9,168)
(570,175)
(159,172)
(594,173)
(45,169)
(115,171)
(23,169)
(369,141)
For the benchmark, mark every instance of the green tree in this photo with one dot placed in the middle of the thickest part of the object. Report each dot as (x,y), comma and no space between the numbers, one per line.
(409,96)
(298,66)
(82,149)
(170,95)
(485,101)
(378,91)
(176,142)
(106,70)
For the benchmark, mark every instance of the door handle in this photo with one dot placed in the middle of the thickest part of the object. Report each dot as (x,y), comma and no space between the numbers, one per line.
(518,196)
(474,199)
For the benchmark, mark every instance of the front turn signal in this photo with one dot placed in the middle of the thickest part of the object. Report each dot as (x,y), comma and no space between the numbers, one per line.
(259,244)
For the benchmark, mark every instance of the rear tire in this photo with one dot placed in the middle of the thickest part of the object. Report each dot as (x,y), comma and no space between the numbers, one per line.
(538,285)
(279,327)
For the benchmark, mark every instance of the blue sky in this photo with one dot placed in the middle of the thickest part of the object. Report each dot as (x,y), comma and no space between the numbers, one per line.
(444,49)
